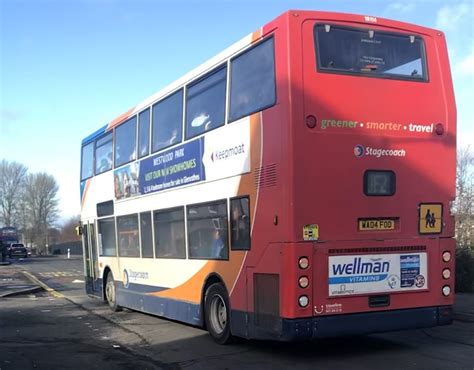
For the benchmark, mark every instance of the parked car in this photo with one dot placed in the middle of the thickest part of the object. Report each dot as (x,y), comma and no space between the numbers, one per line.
(17,250)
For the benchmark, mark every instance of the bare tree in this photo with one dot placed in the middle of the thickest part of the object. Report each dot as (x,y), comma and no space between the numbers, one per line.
(42,204)
(464,204)
(67,232)
(12,176)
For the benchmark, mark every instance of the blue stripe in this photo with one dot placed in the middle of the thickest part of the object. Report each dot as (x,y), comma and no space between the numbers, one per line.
(166,307)
(92,136)
(410,265)
(357,279)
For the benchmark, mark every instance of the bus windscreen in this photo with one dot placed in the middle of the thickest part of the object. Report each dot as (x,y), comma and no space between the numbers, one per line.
(348,50)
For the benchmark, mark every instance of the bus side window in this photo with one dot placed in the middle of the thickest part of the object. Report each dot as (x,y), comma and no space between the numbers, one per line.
(207,231)
(143,133)
(103,154)
(106,237)
(252,81)
(169,233)
(167,121)
(125,141)
(127,231)
(87,165)
(240,223)
(205,103)
(146,236)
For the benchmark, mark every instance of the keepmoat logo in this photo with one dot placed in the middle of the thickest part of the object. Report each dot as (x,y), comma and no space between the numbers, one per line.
(227,153)
(360,151)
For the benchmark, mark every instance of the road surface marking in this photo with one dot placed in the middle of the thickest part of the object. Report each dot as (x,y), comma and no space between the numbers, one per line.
(43,285)
(58,274)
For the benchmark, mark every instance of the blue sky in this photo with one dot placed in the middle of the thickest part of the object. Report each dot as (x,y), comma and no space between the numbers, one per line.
(67,67)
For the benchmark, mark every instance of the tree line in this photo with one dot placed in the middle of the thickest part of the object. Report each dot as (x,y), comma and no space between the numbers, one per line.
(29,202)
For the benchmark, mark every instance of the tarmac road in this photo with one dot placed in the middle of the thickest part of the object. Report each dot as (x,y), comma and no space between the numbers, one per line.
(69,330)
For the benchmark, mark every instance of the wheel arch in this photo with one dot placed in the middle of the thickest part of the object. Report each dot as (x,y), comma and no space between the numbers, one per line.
(212,278)
(107,271)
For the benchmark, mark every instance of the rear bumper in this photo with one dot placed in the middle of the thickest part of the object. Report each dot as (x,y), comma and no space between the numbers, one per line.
(365,323)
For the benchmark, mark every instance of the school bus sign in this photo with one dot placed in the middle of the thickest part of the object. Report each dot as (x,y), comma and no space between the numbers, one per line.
(430,218)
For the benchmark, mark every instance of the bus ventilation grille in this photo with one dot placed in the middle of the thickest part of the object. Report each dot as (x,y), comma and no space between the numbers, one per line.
(265,176)
(411,248)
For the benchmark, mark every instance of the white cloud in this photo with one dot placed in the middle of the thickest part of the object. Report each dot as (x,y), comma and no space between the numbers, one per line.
(466,65)
(400,7)
(449,17)
(466,139)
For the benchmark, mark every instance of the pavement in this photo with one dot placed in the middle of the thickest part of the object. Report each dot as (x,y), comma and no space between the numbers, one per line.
(464,307)
(15,281)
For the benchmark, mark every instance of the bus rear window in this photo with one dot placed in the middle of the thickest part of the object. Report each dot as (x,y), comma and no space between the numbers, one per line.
(369,52)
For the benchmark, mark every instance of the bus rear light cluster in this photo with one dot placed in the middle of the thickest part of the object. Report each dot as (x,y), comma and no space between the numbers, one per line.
(303,282)
(303,263)
(303,301)
(446,274)
(446,290)
(439,129)
(446,256)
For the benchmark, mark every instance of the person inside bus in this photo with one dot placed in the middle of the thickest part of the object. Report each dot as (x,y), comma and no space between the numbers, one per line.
(240,229)
(218,246)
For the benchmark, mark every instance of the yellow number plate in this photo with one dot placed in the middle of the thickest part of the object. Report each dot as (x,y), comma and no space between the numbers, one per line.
(375,225)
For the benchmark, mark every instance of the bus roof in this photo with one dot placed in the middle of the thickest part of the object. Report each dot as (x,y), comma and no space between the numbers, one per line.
(249,39)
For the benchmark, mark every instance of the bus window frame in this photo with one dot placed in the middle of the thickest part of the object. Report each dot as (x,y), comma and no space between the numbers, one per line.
(101,249)
(164,210)
(253,46)
(424,62)
(224,201)
(117,241)
(111,133)
(196,81)
(114,141)
(231,246)
(140,234)
(152,130)
(148,108)
(93,159)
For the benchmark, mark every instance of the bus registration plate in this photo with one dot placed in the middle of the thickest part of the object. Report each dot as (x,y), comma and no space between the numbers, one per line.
(376,224)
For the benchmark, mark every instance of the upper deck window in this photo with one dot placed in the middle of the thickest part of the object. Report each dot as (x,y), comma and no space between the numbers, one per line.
(87,167)
(369,53)
(103,154)
(168,121)
(205,103)
(252,79)
(125,142)
(143,133)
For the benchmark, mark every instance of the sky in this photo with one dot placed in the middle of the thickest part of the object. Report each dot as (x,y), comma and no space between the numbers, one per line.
(68,67)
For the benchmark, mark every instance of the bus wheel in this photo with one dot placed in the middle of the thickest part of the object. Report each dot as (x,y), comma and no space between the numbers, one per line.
(217,313)
(110,293)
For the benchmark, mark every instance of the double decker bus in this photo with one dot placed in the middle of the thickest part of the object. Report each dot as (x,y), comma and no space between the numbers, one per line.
(9,235)
(297,185)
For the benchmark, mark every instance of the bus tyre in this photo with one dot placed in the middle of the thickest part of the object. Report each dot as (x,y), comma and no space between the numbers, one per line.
(217,313)
(110,293)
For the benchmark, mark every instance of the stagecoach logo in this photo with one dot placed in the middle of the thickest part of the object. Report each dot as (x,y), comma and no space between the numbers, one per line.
(359,150)
(126,281)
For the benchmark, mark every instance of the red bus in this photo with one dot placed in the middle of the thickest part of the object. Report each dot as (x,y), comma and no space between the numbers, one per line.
(298,185)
